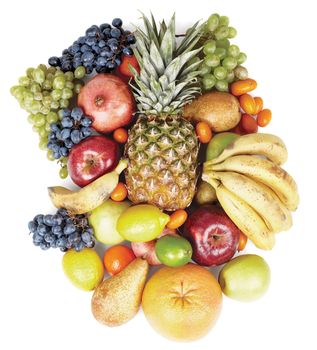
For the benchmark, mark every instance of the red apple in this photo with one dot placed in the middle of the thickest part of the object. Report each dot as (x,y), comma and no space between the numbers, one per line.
(146,250)
(212,234)
(92,158)
(108,100)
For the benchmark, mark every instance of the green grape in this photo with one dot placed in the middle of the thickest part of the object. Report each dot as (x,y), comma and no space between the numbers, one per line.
(80,72)
(204,70)
(43,143)
(221,32)
(221,53)
(63,172)
(220,73)
(35,87)
(229,63)
(52,117)
(233,50)
(209,47)
(38,75)
(63,103)
(42,67)
(63,161)
(44,109)
(46,93)
(38,96)
(230,76)
(24,81)
(223,21)
(50,77)
(241,73)
(242,58)
(54,105)
(212,60)
(18,92)
(35,128)
(47,85)
(39,119)
(67,93)
(222,85)
(58,72)
(29,72)
(69,76)
(42,132)
(35,106)
(56,94)
(59,82)
(77,88)
(47,101)
(48,127)
(27,96)
(50,155)
(213,22)
(31,118)
(223,43)
(60,114)
(70,85)
(208,81)
(232,33)
(51,70)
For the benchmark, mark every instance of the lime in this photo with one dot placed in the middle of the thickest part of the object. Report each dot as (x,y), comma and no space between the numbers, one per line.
(218,143)
(173,251)
(141,223)
(84,269)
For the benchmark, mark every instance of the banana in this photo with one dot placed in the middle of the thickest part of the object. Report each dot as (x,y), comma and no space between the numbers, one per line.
(247,220)
(270,146)
(259,197)
(265,171)
(88,197)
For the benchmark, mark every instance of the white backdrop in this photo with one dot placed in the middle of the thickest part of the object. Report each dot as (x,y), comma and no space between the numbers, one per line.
(39,308)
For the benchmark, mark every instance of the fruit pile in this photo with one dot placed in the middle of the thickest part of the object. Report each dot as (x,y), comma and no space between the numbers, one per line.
(163,144)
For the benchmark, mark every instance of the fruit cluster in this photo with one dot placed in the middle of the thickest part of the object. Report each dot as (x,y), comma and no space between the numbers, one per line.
(132,142)
(100,49)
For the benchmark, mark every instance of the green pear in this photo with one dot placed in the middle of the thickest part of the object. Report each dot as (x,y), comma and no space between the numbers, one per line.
(218,143)
(245,278)
(104,218)
(117,299)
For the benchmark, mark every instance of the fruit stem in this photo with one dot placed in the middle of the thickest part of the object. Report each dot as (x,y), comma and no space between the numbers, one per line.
(121,166)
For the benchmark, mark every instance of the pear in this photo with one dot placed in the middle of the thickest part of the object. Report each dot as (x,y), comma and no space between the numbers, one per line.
(117,299)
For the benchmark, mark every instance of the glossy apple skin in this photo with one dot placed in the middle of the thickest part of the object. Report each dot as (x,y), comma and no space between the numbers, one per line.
(108,100)
(92,158)
(212,234)
(146,250)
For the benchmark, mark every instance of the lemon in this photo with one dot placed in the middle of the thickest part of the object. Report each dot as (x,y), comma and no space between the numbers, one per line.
(141,223)
(84,269)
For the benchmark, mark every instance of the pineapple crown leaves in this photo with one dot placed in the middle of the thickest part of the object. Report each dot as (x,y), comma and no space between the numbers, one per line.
(167,81)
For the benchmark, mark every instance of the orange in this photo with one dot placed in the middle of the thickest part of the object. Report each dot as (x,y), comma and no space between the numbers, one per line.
(117,258)
(182,303)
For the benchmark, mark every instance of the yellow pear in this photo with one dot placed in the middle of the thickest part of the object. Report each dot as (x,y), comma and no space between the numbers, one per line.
(117,299)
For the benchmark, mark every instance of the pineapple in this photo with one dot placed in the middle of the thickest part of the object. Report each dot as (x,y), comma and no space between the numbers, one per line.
(162,147)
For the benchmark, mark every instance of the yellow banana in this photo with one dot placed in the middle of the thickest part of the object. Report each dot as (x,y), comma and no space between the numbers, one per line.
(270,146)
(265,171)
(248,221)
(88,197)
(258,196)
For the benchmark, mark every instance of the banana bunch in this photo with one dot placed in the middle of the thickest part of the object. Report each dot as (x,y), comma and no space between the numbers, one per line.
(255,192)
(89,197)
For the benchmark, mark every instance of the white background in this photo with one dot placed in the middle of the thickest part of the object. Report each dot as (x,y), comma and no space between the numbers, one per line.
(39,308)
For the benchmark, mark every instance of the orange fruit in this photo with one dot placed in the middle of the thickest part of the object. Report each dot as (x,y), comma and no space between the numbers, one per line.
(117,258)
(182,303)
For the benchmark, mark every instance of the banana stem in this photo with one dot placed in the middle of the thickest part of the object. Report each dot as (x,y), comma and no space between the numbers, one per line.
(211,180)
(121,166)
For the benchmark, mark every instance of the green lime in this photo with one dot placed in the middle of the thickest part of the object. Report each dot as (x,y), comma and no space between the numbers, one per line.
(173,251)
(141,223)
(84,269)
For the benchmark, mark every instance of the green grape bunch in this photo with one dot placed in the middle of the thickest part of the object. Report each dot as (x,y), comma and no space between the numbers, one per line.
(43,92)
(221,60)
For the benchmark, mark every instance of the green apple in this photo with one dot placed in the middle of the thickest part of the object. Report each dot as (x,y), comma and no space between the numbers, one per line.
(104,218)
(218,143)
(245,278)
